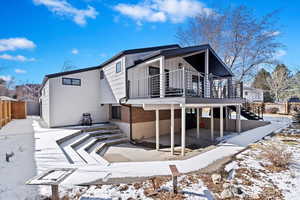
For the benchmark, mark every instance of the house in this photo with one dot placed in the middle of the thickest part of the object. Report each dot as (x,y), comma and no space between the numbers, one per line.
(28,92)
(253,94)
(147,92)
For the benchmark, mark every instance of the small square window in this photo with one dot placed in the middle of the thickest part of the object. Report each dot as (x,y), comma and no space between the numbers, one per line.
(116,112)
(118,67)
(101,74)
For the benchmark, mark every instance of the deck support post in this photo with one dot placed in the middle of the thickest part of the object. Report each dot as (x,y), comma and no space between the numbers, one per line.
(198,123)
(183,130)
(157,128)
(226,118)
(238,118)
(172,129)
(221,122)
(212,124)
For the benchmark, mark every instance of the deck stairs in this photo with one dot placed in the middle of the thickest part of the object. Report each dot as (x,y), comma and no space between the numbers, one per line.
(247,113)
(244,112)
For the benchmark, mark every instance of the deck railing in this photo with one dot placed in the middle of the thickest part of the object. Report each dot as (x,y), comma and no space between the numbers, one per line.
(181,82)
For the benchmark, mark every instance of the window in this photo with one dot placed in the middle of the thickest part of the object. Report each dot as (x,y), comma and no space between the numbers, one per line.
(116,112)
(101,74)
(118,67)
(71,81)
(246,93)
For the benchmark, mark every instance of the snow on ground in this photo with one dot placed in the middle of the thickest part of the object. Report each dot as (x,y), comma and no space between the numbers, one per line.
(36,151)
(257,177)
(189,187)
(17,137)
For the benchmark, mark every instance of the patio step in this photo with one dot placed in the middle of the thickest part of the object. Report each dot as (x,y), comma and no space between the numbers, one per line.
(83,153)
(102,132)
(82,146)
(99,149)
(96,153)
(103,139)
(79,147)
(98,128)
(69,151)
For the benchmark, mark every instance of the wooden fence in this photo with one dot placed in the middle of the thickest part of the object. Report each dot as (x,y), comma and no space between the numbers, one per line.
(285,108)
(11,110)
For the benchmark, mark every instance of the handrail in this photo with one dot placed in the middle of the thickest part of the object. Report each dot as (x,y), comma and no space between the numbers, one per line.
(182,82)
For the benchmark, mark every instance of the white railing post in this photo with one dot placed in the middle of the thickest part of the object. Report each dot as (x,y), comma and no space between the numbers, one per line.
(199,85)
(206,77)
(162,82)
(183,81)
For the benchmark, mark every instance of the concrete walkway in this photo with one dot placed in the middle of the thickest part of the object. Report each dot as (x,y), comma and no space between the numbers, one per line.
(118,172)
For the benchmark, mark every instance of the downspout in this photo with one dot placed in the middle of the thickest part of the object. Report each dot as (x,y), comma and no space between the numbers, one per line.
(129,106)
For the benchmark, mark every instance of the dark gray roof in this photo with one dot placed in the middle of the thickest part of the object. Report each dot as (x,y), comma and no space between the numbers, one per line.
(136,56)
(220,67)
(133,55)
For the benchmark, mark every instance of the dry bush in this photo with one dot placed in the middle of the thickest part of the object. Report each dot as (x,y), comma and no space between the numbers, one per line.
(277,154)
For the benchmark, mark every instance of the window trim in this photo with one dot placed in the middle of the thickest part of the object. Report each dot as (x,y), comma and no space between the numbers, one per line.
(119,62)
(71,83)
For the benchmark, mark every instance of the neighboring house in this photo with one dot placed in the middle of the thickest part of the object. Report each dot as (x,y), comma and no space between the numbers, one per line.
(4,91)
(28,92)
(144,91)
(253,94)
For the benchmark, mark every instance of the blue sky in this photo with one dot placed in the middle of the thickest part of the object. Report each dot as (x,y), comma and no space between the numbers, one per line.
(38,36)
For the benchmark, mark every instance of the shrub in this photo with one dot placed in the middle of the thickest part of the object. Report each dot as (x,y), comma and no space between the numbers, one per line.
(277,154)
(272,110)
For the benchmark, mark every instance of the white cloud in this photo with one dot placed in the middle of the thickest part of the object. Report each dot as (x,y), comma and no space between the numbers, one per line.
(63,8)
(103,55)
(280,53)
(275,33)
(272,33)
(12,44)
(20,71)
(74,51)
(162,10)
(16,58)
(6,78)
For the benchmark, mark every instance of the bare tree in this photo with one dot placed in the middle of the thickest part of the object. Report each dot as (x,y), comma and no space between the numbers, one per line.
(242,40)
(295,85)
(280,82)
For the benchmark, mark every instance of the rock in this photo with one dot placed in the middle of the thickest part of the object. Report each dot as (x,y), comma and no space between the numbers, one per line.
(216,178)
(226,185)
(123,188)
(236,190)
(254,196)
(226,194)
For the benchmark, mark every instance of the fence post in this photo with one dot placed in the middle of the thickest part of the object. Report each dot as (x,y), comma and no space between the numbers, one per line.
(54,191)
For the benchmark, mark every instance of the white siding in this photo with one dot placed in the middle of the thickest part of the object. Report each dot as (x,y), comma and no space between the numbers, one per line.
(45,103)
(113,85)
(253,94)
(139,76)
(68,102)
